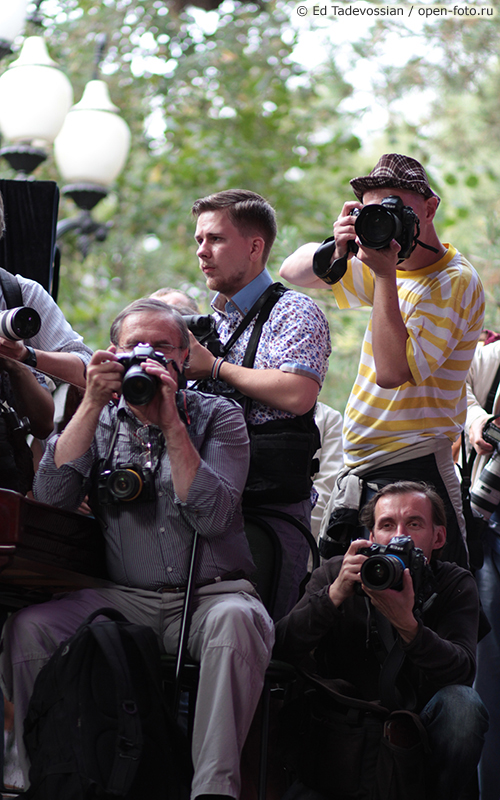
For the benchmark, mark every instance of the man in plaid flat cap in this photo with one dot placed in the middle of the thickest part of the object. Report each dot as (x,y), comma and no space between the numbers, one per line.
(408,402)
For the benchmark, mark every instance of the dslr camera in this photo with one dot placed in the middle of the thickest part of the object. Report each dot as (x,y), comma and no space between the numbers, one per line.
(19,323)
(204,330)
(139,388)
(485,496)
(376,225)
(385,564)
(124,484)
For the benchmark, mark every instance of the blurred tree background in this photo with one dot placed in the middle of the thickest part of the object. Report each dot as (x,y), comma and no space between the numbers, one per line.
(219,100)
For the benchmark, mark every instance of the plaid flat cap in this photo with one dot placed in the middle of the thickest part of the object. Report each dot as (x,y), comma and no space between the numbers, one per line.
(398,171)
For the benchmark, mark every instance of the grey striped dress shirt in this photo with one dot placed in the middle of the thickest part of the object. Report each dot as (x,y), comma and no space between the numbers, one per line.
(149,543)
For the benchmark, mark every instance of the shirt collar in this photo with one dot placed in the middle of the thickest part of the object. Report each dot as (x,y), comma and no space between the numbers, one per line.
(246,297)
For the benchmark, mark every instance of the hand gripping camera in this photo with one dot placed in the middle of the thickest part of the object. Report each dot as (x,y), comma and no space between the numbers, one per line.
(139,388)
(204,330)
(385,564)
(485,496)
(377,224)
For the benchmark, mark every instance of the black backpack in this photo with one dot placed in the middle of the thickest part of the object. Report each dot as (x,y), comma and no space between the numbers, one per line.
(97,724)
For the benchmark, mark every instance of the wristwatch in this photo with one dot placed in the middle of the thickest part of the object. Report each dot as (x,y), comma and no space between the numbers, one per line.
(30,359)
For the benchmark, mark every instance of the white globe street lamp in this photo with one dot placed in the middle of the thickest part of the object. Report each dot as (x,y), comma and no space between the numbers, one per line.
(92,146)
(35,96)
(12,18)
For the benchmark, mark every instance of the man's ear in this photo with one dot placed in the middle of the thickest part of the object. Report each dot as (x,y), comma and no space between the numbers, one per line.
(439,537)
(431,207)
(370,538)
(257,248)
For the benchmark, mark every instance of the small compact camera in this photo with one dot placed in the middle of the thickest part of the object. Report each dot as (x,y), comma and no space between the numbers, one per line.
(139,388)
(204,330)
(19,323)
(377,224)
(126,483)
(385,564)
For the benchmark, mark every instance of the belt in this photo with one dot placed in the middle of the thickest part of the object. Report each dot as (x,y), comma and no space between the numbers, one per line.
(236,575)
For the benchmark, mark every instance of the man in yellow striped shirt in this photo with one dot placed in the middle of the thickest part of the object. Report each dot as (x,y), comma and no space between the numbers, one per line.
(408,402)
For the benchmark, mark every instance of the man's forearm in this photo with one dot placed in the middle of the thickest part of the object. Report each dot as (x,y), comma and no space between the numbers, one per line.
(68,367)
(286,391)
(33,400)
(184,458)
(78,434)
(297,268)
(389,336)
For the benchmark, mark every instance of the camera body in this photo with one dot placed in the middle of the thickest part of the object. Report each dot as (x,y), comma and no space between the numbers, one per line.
(126,484)
(485,494)
(385,564)
(139,388)
(204,330)
(491,432)
(19,323)
(377,224)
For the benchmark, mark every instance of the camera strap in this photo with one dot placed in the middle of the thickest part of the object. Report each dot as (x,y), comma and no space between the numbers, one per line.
(274,291)
(11,289)
(395,690)
(260,309)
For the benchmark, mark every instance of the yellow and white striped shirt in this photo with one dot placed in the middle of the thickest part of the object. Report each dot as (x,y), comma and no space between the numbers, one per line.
(443,308)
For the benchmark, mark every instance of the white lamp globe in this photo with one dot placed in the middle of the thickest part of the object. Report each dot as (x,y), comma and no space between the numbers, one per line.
(35,96)
(12,18)
(94,141)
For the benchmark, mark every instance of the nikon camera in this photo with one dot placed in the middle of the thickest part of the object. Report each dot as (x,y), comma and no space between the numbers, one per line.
(139,388)
(384,567)
(378,224)
(485,495)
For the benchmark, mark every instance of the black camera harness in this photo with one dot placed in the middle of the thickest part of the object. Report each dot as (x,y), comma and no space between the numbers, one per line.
(261,309)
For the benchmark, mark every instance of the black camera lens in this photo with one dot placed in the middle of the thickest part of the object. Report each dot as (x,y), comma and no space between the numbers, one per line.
(382,572)
(376,226)
(125,484)
(19,323)
(138,387)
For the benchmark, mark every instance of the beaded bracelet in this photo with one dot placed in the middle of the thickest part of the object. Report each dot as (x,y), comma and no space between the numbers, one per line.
(216,368)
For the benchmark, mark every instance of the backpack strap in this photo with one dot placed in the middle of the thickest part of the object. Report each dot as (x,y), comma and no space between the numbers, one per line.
(130,739)
(11,289)
(488,406)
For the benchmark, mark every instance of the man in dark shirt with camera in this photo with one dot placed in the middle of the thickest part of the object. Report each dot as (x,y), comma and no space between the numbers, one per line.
(437,635)
(189,455)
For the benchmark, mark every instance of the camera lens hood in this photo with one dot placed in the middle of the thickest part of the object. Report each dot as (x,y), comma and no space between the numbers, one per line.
(376,226)
(19,323)
(138,388)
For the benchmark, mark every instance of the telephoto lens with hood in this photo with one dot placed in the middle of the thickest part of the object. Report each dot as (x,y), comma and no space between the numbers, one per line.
(19,323)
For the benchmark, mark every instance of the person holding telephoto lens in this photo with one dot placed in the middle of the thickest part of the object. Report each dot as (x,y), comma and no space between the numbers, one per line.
(408,402)
(35,338)
(483,399)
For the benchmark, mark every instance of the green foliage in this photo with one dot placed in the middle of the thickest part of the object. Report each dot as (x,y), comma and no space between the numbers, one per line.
(208,110)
